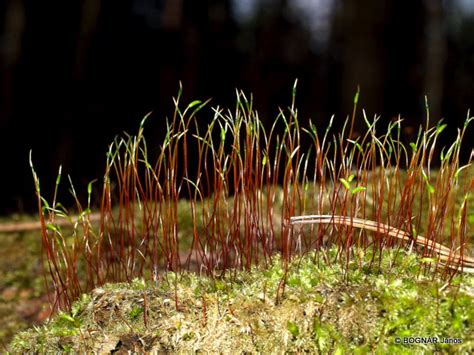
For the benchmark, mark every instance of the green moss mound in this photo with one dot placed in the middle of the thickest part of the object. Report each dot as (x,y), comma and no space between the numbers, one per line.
(387,308)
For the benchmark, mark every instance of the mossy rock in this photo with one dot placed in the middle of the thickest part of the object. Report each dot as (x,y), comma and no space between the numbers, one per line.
(385,308)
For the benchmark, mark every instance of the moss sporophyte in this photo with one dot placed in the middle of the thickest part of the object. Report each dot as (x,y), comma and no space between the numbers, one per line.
(240,201)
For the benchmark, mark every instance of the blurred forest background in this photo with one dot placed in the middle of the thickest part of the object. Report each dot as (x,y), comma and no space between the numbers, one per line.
(74,74)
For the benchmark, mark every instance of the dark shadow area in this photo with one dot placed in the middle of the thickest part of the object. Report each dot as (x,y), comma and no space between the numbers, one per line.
(75,74)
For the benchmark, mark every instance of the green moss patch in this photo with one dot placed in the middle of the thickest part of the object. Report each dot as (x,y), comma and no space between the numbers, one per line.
(322,309)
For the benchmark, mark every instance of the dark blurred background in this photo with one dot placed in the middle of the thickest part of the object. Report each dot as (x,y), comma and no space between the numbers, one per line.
(73,74)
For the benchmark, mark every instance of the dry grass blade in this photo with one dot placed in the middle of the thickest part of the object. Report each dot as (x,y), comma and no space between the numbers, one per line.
(452,260)
(31,226)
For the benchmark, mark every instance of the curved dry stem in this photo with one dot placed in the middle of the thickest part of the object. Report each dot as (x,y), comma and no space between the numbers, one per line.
(453,260)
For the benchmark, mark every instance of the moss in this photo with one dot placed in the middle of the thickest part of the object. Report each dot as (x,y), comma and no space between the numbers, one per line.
(322,310)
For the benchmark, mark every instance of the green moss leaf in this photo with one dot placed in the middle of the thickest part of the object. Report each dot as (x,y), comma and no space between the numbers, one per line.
(293,329)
